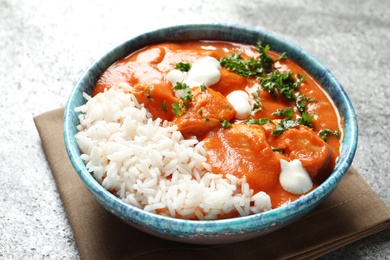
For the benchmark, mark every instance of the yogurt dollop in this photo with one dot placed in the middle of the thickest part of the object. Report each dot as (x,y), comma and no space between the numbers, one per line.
(204,71)
(240,101)
(294,178)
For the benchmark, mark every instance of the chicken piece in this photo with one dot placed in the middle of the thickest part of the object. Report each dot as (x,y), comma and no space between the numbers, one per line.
(230,81)
(157,98)
(243,151)
(207,108)
(304,144)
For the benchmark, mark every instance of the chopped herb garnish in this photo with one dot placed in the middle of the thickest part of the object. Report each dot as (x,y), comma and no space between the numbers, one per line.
(257,105)
(306,119)
(283,56)
(164,106)
(180,86)
(207,119)
(301,102)
(260,121)
(149,96)
(278,150)
(301,78)
(288,112)
(288,123)
(183,66)
(284,125)
(225,124)
(203,87)
(326,132)
(251,67)
(265,60)
(176,109)
(187,95)
(280,82)
(237,64)
(200,111)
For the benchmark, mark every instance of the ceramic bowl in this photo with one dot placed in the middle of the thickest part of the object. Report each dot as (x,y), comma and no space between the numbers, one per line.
(215,231)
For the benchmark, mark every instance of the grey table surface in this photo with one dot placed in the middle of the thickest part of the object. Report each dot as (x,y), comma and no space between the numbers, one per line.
(45,45)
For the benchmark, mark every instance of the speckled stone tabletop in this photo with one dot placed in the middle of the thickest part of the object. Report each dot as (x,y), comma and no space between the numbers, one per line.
(45,45)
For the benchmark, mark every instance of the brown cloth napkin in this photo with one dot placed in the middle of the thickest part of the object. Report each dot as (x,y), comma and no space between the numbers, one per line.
(351,212)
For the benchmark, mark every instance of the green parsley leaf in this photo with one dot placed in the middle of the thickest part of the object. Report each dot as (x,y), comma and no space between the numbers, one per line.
(302,100)
(235,63)
(280,82)
(164,106)
(255,95)
(278,150)
(257,105)
(301,78)
(265,60)
(288,112)
(288,123)
(250,67)
(283,126)
(187,95)
(306,119)
(326,132)
(260,121)
(283,56)
(183,66)
(225,124)
(176,109)
(203,87)
(180,86)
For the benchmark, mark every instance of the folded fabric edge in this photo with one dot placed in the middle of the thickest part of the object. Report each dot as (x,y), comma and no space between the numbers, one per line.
(322,250)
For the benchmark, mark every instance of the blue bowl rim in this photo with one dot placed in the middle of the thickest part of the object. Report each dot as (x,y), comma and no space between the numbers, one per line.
(251,223)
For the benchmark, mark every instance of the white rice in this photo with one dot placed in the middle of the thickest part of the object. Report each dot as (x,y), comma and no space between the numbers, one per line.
(148,163)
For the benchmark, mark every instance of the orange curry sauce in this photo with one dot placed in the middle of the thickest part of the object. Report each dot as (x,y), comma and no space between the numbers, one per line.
(242,150)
